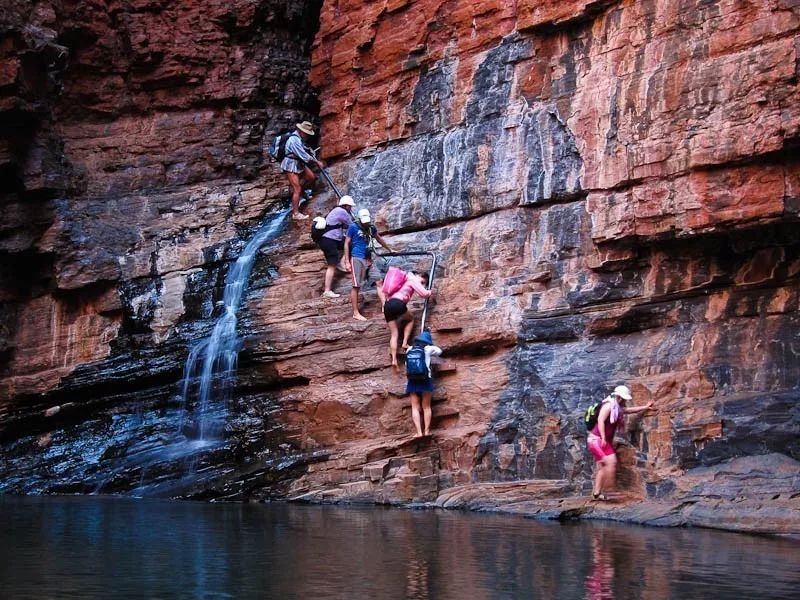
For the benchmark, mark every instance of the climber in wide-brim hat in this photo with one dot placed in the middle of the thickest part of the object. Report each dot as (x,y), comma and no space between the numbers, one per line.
(295,165)
(306,127)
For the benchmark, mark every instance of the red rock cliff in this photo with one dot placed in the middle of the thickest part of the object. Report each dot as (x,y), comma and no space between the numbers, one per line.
(612,190)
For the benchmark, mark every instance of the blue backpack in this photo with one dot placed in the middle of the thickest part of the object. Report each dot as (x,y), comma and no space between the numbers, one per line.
(416,368)
(277,148)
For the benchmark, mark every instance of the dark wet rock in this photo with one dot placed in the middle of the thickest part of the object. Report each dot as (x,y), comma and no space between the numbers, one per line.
(608,202)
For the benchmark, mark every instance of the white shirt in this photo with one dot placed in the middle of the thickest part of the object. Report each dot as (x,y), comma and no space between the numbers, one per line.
(431,351)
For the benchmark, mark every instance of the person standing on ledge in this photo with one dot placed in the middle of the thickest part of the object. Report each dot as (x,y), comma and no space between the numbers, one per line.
(358,251)
(295,165)
(332,242)
(610,418)
(420,381)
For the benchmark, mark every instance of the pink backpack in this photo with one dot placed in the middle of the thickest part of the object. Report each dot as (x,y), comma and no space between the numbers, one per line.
(394,280)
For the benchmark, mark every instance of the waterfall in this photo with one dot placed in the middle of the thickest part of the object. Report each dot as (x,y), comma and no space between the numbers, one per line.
(211,363)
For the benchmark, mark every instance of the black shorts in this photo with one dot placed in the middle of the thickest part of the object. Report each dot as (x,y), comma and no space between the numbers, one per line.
(332,250)
(394,309)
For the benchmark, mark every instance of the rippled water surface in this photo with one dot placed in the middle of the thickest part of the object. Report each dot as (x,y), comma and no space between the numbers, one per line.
(121,548)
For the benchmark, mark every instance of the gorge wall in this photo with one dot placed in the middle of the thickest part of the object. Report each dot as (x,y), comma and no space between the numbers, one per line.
(611,187)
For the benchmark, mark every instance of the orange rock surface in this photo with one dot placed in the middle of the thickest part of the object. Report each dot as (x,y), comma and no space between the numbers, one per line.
(611,188)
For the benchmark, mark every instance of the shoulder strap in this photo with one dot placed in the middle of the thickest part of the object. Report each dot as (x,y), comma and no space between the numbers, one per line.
(291,155)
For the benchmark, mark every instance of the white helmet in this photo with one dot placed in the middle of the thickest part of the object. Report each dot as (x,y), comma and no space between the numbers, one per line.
(623,392)
(346,200)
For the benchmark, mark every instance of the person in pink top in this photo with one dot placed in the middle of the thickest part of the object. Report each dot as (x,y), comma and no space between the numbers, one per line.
(396,313)
(610,418)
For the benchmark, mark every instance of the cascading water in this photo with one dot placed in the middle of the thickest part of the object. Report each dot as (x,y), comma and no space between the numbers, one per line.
(211,365)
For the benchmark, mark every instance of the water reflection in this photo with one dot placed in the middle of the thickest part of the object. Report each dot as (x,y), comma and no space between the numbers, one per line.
(120,548)
(599,581)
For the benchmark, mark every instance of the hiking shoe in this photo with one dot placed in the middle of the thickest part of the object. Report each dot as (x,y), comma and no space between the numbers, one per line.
(299,217)
(330,294)
(308,193)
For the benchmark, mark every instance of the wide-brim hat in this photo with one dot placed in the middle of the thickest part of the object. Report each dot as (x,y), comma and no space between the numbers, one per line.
(623,392)
(306,127)
(424,338)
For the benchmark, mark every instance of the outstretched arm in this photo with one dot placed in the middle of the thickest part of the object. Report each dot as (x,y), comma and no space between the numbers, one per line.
(382,242)
(417,286)
(433,350)
(313,154)
(637,409)
(347,248)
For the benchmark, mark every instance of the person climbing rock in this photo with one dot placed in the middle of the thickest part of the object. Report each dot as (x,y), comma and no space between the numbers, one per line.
(358,243)
(396,312)
(610,419)
(295,165)
(420,381)
(332,242)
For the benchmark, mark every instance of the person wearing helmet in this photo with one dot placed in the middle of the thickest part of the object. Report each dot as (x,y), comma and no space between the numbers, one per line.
(295,165)
(610,418)
(358,252)
(420,381)
(332,242)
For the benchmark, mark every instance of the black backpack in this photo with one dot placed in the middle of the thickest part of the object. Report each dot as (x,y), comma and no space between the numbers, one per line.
(316,234)
(277,148)
(416,368)
(591,414)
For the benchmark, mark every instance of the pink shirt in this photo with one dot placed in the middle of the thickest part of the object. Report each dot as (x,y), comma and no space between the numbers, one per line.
(614,421)
(412,284)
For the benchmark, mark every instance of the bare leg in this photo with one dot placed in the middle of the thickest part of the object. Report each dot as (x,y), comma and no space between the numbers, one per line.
(598,480)
(309,178)
(394,333)
(297,189)
(408,328)
(610,477)
(354,301)
(426,411)
(415,413)
(329,273)
(606,472)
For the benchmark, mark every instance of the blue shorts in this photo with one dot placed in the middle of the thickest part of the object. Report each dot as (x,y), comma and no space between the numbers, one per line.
(417,387)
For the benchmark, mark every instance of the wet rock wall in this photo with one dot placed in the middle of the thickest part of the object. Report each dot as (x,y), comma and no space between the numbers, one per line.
(611,189)
(133,171)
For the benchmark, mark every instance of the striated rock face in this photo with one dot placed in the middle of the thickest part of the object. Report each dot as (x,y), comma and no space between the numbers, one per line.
(611,188)
(132,172)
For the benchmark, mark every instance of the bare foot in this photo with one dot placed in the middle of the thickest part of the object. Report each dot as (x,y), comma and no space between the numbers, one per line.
(359,317)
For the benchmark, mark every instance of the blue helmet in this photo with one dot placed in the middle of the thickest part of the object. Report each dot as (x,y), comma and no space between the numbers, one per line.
(425,338)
